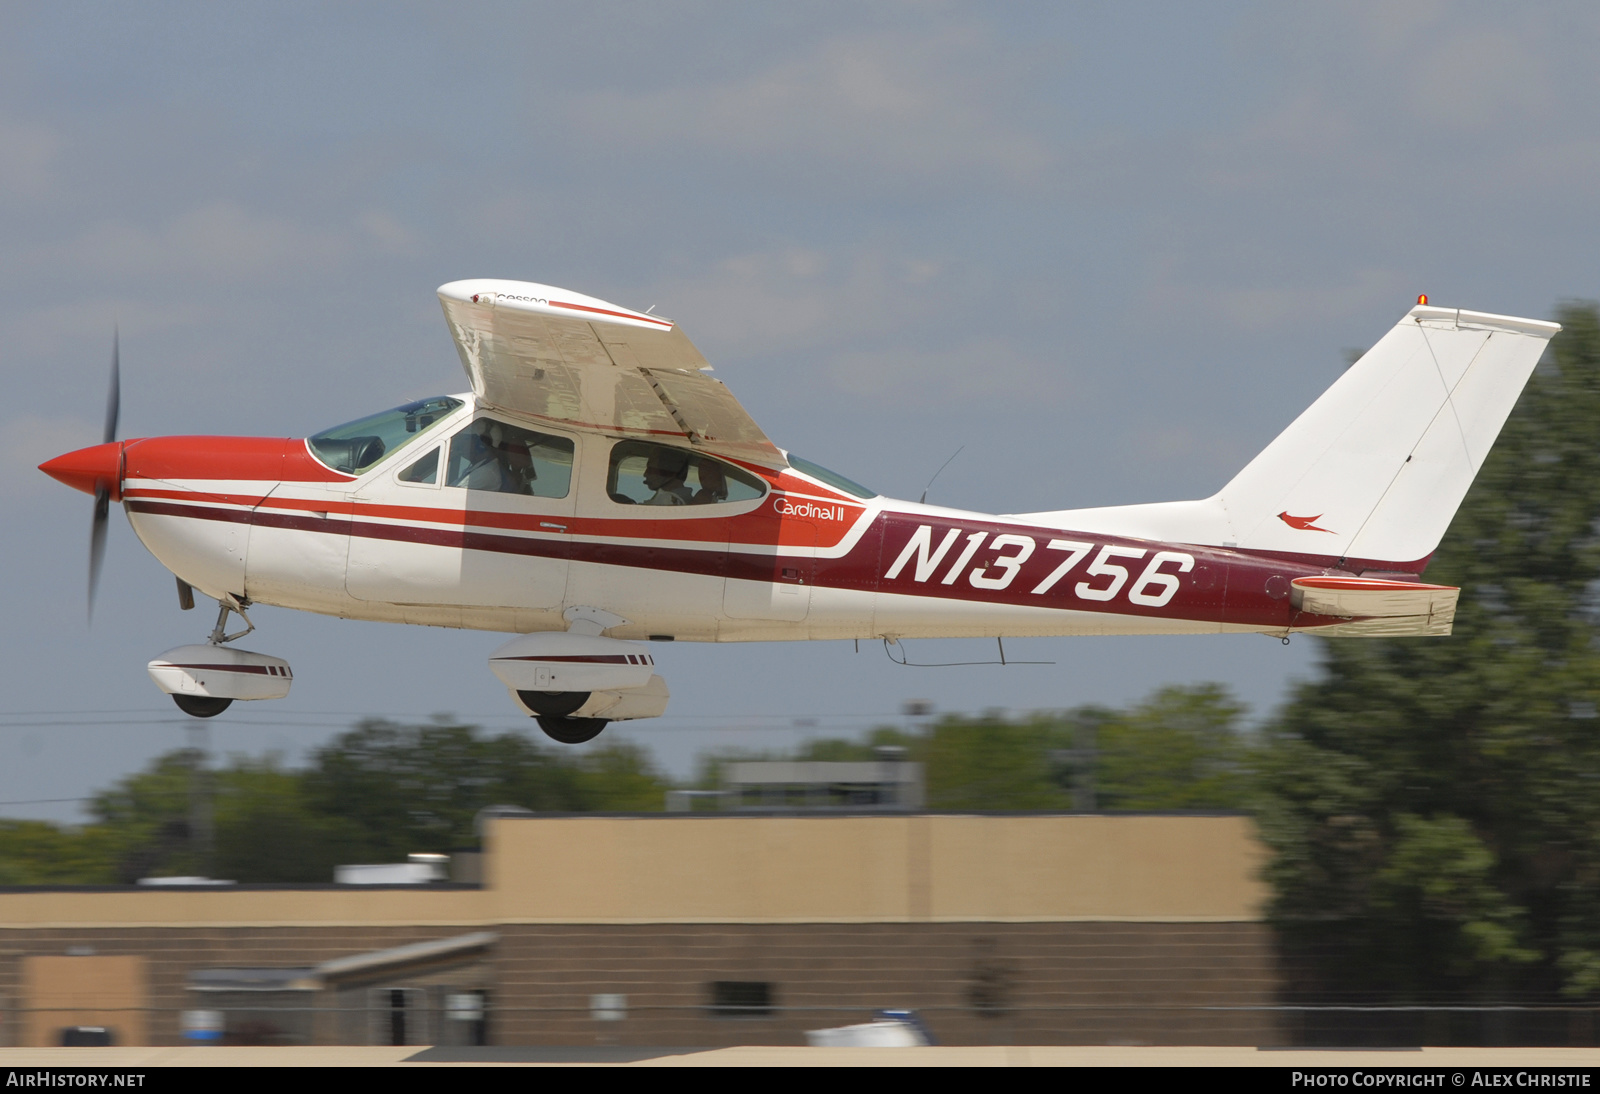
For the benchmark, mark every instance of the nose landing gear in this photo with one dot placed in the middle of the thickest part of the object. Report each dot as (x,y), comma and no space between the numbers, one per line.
(204,680)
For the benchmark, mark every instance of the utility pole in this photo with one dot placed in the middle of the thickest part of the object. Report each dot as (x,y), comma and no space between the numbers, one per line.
(1080,761)
(1085,756)
(202,829)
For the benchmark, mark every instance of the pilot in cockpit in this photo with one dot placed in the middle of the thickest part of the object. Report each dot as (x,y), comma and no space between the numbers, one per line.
(664,474)
(499,462)
(516,462)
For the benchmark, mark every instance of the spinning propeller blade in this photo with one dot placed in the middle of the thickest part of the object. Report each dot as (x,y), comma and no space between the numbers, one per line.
(102,494)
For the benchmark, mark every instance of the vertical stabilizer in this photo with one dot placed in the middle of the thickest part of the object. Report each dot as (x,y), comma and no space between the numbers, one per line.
(1376,468)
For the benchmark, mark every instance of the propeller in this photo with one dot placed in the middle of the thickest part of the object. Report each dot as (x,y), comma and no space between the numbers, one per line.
(102,492)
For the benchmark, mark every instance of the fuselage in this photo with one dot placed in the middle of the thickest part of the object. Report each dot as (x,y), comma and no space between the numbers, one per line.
(795,557)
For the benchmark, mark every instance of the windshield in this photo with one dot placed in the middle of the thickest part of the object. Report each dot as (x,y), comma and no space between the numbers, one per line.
(832,478)
(356,446)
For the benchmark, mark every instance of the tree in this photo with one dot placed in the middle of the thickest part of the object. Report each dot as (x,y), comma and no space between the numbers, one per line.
(373,794)
(146,817)
(990,763)
(41,853)
(1180,749)
(1183,748)
(389,789)
(1431,802)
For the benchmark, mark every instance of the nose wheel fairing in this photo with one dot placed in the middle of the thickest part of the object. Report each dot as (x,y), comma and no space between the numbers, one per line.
(204,680)
(220,672)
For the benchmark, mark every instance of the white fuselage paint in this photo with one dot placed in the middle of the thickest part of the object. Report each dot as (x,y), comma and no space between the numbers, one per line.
(318,566)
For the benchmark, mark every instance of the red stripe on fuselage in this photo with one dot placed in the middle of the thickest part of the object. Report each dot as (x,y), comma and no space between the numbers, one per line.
(1224,587)
(761,526)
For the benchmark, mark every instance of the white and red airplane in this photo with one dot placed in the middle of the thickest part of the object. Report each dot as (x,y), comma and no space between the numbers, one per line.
(597,488)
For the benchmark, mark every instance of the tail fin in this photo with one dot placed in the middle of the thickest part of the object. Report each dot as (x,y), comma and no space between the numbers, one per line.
(1376,468)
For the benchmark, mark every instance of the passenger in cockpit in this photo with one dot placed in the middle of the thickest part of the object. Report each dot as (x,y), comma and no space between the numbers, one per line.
(664,474)
(713,484)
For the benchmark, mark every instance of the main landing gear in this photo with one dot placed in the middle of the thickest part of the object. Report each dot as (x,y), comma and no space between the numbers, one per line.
(553,711)
(201,706)
(204,680)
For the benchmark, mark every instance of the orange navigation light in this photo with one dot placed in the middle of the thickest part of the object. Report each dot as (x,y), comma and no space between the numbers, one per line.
(1423,299)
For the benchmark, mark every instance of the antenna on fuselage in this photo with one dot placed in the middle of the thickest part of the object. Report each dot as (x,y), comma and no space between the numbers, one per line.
(936,474)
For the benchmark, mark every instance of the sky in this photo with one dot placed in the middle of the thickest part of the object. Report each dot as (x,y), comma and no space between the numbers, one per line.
(1105,250)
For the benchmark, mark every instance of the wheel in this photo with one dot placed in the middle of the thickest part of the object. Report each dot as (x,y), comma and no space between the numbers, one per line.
(202,706)
(557,704)
(571,731)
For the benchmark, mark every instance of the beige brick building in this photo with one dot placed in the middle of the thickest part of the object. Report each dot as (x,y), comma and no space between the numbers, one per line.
(688,930)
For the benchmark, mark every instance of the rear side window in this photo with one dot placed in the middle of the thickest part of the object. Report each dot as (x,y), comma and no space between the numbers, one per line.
(644,473)
(508,459)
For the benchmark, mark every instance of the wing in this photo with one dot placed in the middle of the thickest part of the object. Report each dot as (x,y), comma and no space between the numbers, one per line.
(543,352)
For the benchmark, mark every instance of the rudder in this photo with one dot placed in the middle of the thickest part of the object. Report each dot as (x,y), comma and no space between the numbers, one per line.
(1376,468)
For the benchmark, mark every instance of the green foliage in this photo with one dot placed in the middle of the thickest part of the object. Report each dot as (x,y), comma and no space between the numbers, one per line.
(384,790)
(1179,749)
(1431,802)
(990,763)
(374,794)
(1183,748)
(40,853)
(267,827)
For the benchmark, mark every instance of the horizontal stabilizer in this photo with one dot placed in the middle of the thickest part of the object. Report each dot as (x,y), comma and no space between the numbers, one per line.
(1377,607)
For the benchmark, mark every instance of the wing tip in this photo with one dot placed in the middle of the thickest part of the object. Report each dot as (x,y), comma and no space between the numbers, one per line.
(530,296)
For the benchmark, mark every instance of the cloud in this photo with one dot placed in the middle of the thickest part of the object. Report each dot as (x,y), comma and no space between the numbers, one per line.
(1478,79)
(28,154)
(219,240)
(929,104)
(994,374)
(34,338)
(791,297)
(1263,307)
(28,441)
(871,323)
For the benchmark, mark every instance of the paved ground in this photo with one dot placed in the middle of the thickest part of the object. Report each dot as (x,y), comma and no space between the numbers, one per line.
(757,1056)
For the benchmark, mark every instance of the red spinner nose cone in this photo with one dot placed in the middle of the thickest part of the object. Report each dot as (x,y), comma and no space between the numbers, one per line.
(89,469)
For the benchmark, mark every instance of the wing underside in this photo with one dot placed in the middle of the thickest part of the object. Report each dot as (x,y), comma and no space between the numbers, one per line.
(541,352)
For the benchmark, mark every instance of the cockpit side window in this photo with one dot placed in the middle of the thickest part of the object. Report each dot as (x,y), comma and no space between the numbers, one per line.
(424,472)
(643,473)
(497,456)
(358,445)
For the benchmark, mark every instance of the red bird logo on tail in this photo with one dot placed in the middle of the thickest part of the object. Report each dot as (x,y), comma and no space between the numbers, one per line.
(1304,524)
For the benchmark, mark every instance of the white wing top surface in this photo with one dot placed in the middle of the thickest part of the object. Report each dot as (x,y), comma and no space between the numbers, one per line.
(542,352)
